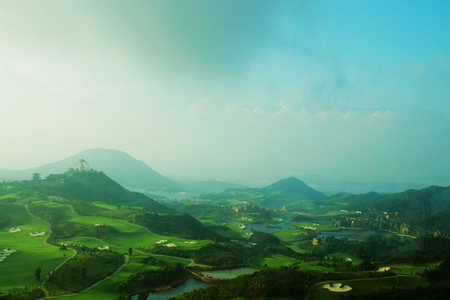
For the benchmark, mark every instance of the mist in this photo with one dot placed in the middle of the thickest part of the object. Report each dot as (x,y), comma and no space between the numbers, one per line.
(233,89)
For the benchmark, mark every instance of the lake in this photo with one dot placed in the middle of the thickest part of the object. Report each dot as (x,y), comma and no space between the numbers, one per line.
(188,286)
(192,284)
(262,228)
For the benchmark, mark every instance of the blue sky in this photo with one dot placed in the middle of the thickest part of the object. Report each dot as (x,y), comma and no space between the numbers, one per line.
(357,90)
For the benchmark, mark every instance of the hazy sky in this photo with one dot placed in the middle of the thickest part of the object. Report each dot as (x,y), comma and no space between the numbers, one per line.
(349,89)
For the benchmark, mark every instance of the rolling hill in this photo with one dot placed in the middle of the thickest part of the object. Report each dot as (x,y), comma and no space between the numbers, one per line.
(290,192)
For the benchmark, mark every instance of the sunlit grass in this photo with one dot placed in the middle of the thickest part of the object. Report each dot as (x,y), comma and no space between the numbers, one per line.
(274,261)
(107,289)
(368,285)
(31,254)
(129,235)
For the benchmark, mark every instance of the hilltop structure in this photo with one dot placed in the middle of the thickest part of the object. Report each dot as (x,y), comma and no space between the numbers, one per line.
(82,166)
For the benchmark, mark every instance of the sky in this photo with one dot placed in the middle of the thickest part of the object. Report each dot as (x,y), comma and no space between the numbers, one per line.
(356,90)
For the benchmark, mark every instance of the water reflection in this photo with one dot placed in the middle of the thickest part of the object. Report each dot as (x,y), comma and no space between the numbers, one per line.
(188,286)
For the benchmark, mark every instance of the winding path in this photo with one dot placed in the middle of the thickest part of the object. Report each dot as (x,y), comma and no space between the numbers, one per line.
(127,259)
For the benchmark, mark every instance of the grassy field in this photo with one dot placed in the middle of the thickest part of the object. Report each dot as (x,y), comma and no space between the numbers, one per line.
(297,249)
(409,269)
(319,227)
(275,261)
(31,254)
(290,235)
(355,260)
(128,235)
(367,285)
(106,289)
(314,266)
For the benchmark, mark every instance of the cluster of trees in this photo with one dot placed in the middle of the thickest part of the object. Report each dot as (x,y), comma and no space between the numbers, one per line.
(148,279)
(270,283)
(70,229)
(216,254)
(375,247)
(23,294)
(82,271)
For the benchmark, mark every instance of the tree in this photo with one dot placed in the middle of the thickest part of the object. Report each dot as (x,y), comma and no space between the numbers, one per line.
(37,273)
(124,296)
(130,251)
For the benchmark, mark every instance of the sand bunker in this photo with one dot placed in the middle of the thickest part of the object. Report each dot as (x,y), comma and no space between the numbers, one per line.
(161,242)
(170,245)
(103,247)
(5,253)
(337,287)
(384,269)
(36,233)
(8,250)
(190,242)
(13,229)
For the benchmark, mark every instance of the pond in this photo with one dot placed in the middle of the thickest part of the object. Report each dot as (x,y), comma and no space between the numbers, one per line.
(229,274)
(188,286)
(262,228)
(191,284)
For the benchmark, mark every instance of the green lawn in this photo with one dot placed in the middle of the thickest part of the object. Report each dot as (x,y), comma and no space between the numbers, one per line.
(31,254)
(290,235)
(355,260)
(297,249)
(274,261)
(408,269)
(314,266)
(128,235)
(107,289)
(104,205)
(368,285)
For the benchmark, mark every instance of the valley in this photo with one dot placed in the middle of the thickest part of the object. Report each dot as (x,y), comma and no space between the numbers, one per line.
(81,235)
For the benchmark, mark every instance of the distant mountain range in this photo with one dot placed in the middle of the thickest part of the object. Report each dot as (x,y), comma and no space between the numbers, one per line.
(136,175)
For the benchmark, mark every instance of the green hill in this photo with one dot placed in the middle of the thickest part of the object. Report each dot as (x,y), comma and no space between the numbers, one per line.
(291,193)
(427,208)
(95,186)
(118,165)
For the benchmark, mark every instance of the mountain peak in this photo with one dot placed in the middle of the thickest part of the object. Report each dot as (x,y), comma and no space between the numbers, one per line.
(294,185)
